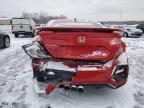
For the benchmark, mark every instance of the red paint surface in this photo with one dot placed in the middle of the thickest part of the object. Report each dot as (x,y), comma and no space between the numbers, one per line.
(66,45)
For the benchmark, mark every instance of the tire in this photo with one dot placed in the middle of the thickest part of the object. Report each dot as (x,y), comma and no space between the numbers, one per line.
(6,42)
(16,35)
(33,35)
(39,75)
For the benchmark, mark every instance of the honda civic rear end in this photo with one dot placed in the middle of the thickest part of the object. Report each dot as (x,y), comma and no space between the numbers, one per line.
(79,55)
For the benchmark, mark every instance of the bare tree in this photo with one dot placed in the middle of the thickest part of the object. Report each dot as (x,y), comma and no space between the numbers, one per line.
(42,17)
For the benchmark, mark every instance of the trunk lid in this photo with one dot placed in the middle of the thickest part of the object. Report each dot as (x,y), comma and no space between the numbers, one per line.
(80,43)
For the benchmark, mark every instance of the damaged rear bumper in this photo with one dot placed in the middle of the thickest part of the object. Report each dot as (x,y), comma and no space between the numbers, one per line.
(88,75)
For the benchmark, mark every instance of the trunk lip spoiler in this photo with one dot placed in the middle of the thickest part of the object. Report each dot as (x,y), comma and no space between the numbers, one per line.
(77,28)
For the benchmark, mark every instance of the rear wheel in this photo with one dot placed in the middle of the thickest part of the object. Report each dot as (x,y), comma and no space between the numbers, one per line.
(6,42)
(16,35)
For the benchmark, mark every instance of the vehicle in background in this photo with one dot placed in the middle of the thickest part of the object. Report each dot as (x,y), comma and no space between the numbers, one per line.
(141,26)
(23,26)
(133,31)
(129,30)
(4,40)
(73,55)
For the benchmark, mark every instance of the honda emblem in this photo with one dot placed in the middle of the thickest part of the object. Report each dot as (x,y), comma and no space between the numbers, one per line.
(81,39)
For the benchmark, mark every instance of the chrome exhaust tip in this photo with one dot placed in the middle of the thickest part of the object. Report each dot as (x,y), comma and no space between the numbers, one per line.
(73,88)
(80,89)
(67,87)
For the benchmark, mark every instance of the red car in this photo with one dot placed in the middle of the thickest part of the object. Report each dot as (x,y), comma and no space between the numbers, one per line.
(74,54)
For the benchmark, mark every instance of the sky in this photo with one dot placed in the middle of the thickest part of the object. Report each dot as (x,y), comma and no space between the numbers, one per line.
(100,10)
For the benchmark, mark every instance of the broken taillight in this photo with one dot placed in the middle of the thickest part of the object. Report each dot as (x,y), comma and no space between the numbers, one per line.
(35,50)
(120,73)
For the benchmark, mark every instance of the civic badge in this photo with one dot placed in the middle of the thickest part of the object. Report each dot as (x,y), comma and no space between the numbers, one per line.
(81,39)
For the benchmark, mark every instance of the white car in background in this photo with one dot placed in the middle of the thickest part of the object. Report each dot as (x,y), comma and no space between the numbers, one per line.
(23,26)
(133,31)
(4,40)
(129,30)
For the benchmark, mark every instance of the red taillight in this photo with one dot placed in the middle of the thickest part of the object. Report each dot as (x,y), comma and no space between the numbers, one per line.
(30,27)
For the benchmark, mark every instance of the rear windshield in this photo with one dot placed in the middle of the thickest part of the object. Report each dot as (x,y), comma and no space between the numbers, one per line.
(21,21)
(78,24)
